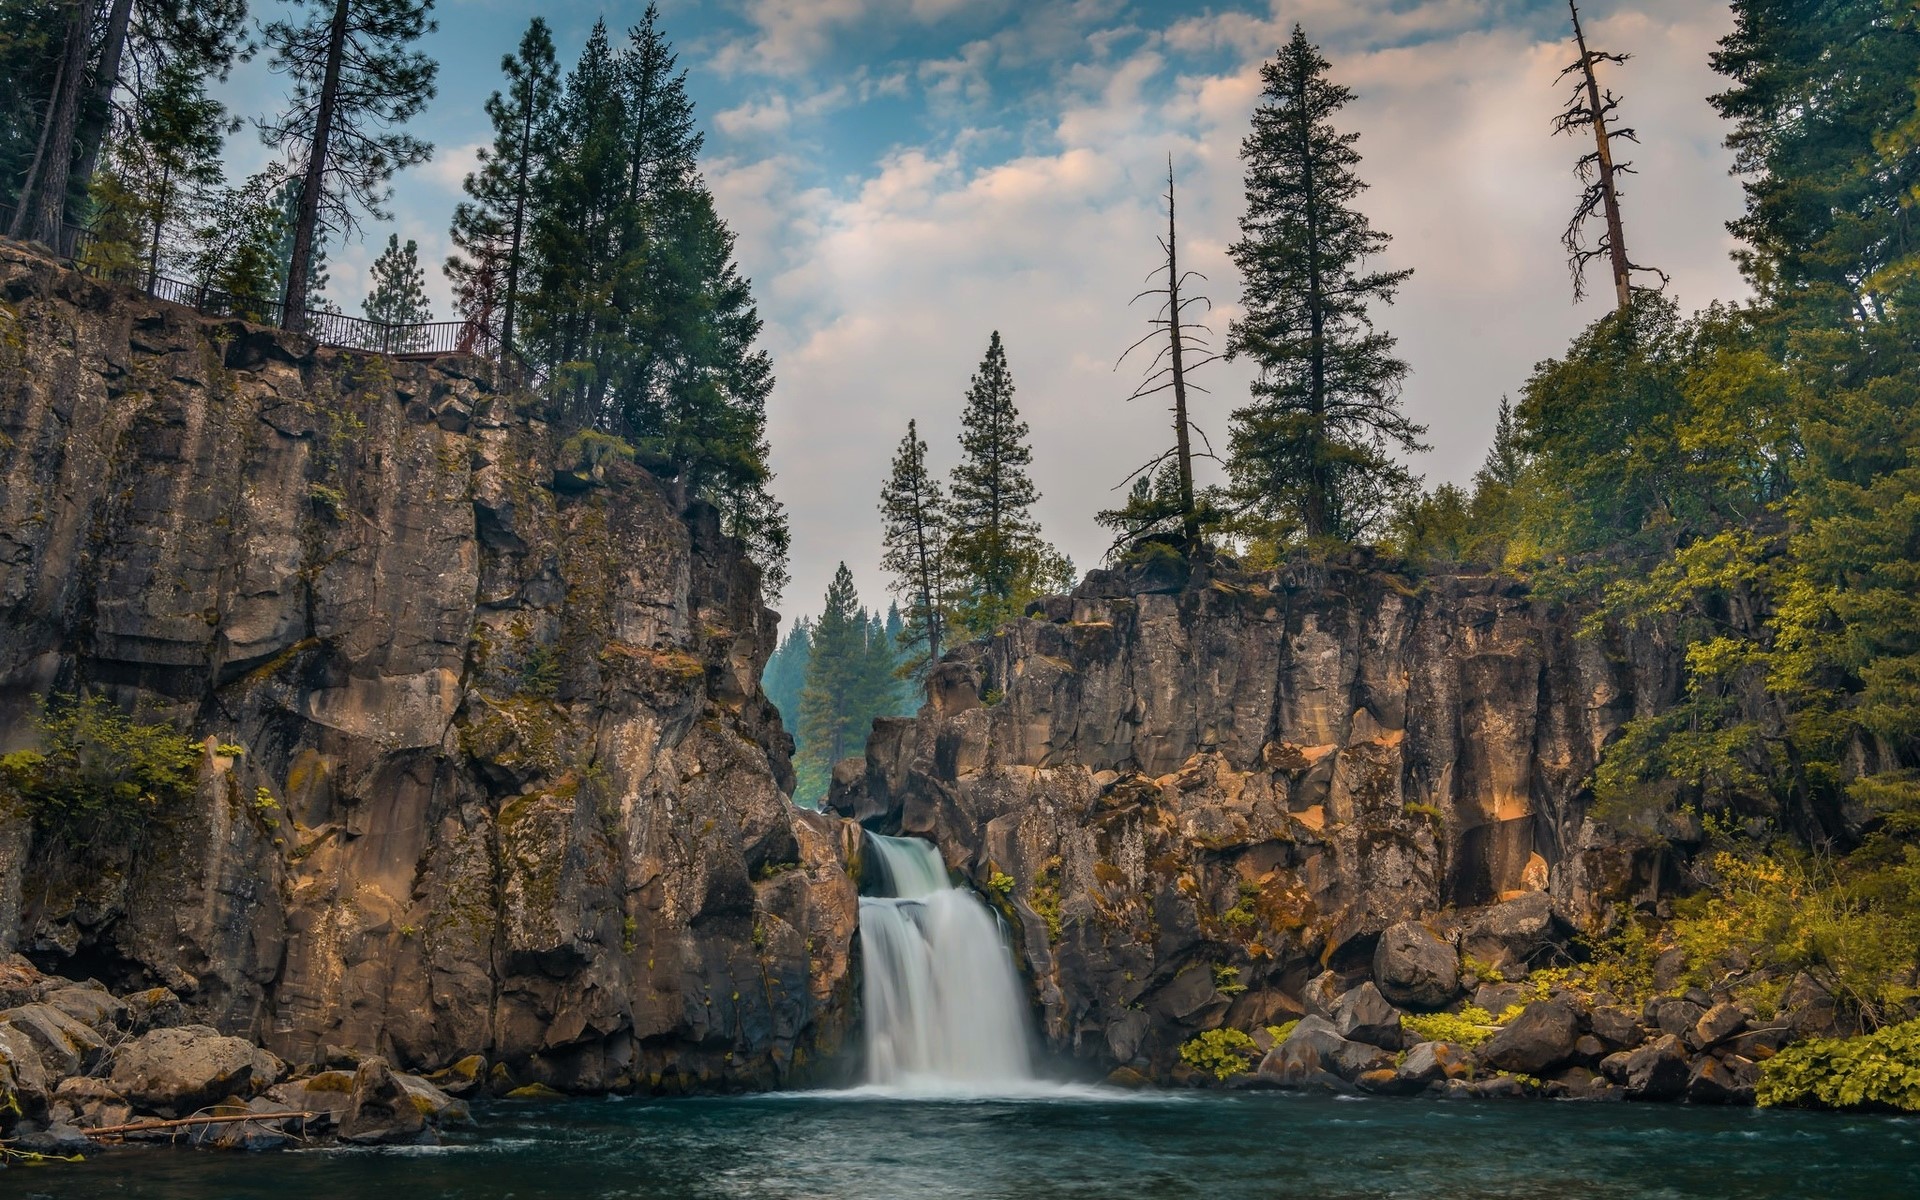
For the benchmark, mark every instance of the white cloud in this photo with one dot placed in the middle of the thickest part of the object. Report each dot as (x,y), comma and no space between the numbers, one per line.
(880,296)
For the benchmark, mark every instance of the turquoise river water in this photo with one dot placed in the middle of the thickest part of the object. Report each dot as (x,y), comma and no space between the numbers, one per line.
(1071,1143)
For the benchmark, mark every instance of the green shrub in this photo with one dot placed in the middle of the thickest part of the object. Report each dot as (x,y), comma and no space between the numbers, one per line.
(1854,924)
(1880,1070)
(1281,1032)
(1468,1027)
(1221,1053)
(98,775)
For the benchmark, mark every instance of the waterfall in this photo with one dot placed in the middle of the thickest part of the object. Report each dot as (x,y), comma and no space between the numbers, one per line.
(945,1011)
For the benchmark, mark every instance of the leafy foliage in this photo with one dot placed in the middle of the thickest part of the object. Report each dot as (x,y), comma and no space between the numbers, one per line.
(1221,1053)
(1468,1027)
(99,776)
(914,533)
(1878,1071)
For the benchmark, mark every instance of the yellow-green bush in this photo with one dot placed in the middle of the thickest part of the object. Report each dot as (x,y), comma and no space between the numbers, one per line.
(1468,1027)
(98,774)
(1221,1053)
(1853,924)
(1880,1070)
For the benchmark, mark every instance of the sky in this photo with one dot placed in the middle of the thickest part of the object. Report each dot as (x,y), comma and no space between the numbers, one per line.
(907,176)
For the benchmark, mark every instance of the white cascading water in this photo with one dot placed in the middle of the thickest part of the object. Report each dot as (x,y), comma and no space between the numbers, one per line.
(945,1011)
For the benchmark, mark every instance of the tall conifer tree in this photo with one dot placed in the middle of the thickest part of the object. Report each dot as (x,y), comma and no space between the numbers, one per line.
(1312,452)
(488,267)
(354,79)
(996,557)
(913,515)
(834,702)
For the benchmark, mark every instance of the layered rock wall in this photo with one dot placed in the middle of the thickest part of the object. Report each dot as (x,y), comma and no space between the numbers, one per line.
(1194,793)
(488,765)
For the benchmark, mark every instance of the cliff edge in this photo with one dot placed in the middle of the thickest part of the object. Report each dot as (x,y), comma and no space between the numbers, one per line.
(488,769)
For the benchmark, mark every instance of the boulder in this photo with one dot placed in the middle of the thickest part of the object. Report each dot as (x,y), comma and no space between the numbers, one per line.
(1809,1008)
(1385,1081)
(24,1086)
(1656,1071)
(382,1110)
(1581,1084)
(154,1008)
(438,1107)
(1435,1062)
(327,1095)
(53,1138)
(1718,1024)
(1500,1087)
(1674,1014)
(92,1102)
(92,1006)
(1512,933)
(1416,967)
(463,1078)
(1615,1025)
(1538,1040)
(252,1136)
(1363,1015)
(1760,1044)
(1315,1054)
(1726,1079)
(1496,998)
(1320,994)
(175,1072)
(66,1046)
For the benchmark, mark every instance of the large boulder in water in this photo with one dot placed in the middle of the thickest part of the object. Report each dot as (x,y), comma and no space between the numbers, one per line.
(1315,1054)
(1363,1015)
(1541,1038)
(175,1072)
(383,1109)
(1416,967)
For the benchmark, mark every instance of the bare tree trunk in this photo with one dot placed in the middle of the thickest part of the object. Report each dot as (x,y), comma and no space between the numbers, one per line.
(93,135)
(43,208)
(293,308)
(1616,235)
(519,226)
(1189,522)
(23,206)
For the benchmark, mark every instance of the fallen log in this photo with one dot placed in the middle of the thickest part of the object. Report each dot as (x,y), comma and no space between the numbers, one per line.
(158,1126)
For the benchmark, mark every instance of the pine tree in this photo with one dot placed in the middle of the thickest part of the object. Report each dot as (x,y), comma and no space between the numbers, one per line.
(398,294)
(490,228)
(786,671)
(570,311)
(1312,452)
(315,297)
(171,161)
(639,316)
(913,514)
(996,558)
(835,699)
(354,79)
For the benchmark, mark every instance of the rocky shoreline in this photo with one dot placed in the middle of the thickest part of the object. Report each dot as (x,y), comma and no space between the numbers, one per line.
(81,1067)
(1541,1036)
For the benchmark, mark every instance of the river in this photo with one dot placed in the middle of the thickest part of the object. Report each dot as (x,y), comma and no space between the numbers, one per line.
(822,1146)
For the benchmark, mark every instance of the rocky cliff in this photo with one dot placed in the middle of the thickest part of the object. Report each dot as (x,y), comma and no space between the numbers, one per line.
(1195,790)
(488,768)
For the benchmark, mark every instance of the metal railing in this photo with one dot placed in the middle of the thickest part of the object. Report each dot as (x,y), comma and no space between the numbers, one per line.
(426,339)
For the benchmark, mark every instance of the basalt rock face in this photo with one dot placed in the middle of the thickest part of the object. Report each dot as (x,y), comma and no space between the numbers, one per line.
(1193,790)
(488,767)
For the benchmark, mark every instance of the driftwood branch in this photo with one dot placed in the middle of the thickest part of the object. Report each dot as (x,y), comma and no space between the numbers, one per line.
(185,1122)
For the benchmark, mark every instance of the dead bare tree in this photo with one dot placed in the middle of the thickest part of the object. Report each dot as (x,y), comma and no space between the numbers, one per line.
(1184,349)
(1590,106)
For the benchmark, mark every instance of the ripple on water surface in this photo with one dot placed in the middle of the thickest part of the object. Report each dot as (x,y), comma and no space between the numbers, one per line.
(1067,1143)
